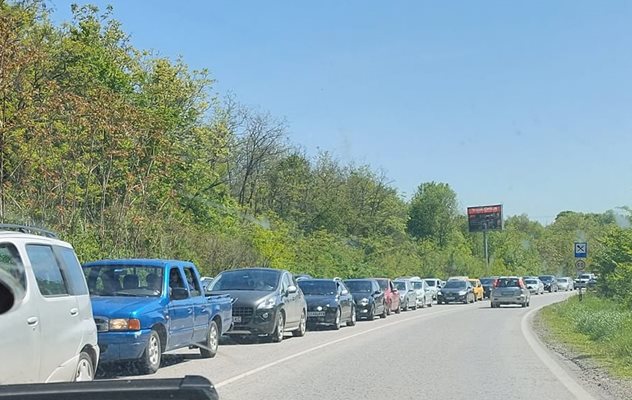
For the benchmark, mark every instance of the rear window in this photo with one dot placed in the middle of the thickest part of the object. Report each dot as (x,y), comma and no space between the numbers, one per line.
(508,282)
(11,264)
(359,286)
(47,270)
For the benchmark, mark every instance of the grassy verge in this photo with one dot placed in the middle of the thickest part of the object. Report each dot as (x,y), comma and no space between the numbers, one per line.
(595,327)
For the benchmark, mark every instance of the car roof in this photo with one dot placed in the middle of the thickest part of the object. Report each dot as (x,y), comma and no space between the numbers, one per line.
(360,279)
(318,280)
(28,237)
(149,262)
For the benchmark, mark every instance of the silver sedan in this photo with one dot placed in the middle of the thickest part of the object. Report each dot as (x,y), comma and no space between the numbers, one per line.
(565,283)
(534,285)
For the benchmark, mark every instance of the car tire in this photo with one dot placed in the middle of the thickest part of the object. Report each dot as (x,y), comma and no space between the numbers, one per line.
(430,304)
(85,368)
(337,321)
(371,314)
(524,304)
(388,309)
(423,303)
(209,349)
(385,312)
(279,329)
(302,326)
(150,360)
(352,318)
(399,309)
(405,307)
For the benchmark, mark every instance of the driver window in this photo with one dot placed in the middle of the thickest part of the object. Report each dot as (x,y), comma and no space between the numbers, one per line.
(175,279)
(285,283)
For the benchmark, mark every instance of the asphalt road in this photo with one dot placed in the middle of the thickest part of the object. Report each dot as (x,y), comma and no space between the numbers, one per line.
(443,352)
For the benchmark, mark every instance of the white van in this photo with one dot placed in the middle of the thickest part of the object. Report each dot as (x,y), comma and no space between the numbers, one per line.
(48,334)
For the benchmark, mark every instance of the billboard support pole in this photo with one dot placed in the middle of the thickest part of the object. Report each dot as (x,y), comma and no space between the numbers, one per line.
(486,248)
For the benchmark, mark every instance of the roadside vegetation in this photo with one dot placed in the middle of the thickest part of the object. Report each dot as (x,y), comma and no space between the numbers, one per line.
(126,153)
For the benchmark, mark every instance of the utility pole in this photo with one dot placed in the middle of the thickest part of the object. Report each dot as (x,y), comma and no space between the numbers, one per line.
(486,248)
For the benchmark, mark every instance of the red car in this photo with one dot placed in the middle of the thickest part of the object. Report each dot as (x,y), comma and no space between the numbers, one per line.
(390,294)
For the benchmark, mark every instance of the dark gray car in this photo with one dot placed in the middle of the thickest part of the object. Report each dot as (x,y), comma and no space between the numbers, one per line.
(267,302)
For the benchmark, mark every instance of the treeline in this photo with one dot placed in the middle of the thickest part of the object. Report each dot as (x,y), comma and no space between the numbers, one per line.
(129,154)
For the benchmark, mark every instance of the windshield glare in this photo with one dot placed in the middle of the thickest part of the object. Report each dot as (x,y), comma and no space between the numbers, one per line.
(400,285)
(454,285)
(430,282)
(123,280)
(317,287)
(359,286)
(247,280)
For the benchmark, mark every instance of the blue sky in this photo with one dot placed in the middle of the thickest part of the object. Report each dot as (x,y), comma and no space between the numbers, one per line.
(525,103)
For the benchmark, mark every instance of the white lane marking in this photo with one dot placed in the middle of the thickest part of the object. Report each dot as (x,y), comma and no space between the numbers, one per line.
(327,344)
(543,354)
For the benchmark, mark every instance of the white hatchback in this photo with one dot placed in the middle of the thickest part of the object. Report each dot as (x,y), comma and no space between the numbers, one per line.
(48,334)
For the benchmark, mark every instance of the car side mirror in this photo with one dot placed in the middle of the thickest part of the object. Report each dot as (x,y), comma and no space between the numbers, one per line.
(292,289)
(377,293)
(179,294)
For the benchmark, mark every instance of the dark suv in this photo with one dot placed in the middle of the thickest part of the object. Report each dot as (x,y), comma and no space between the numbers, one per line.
(550,282)
(267,302)
(368,297)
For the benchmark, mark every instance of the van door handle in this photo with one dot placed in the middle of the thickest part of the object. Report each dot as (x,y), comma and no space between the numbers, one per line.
(32,321)
(74,312)
(190,310)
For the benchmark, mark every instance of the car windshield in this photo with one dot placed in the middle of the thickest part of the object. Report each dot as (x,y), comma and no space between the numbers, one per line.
(124,280)
(261,280)
(546,278)
(400,285)
(383,283)
(430,282)
(359,286)
(417,284)
(562,280)
(585,277)
(531,282)
(455,284)
(508,282)
(487,281)
(321,288)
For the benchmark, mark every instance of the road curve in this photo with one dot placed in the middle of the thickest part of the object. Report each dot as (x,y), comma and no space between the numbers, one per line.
(443,352)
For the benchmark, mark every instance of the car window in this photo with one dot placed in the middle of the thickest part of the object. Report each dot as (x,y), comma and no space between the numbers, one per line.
(72,271)
(194,287)
(11,263)
(48,274)
(175,279)
(285,283)
(124,280)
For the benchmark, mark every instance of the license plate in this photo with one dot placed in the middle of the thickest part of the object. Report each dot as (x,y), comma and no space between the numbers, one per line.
(315,313)
(236,320)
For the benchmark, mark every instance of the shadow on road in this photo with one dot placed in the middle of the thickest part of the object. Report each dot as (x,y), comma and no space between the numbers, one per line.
(111,371)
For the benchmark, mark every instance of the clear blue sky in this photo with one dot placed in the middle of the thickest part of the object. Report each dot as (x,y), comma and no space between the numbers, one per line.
(525,103)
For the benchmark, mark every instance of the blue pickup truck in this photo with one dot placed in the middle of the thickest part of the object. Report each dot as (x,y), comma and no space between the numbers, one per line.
(143,308)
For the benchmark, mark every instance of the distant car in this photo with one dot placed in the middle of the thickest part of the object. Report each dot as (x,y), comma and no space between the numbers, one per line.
(583,280)
(458,278)
(48,333)
(368,297)
(302,276)
(328,303)
(487,283)
(565,283)
(510,290)
(534,285)
(433,285)
(206,281)
(267,302)
(424,294)
(407,294)
(391,294)
(550,283)
(456,290)
(477,289)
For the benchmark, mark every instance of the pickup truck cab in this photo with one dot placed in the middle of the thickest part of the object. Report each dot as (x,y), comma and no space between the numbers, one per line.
(47,333)
(144,307)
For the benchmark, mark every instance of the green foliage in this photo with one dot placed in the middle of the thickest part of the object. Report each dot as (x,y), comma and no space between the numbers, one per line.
(433,212)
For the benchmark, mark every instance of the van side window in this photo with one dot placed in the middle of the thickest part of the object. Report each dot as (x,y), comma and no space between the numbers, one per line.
(48,275)
(11,263)
(194,287)
(72,271)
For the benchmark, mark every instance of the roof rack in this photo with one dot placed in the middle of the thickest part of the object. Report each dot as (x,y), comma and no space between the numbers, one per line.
(28,229)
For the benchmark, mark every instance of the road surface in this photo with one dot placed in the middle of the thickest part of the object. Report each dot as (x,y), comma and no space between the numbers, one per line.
(444,352)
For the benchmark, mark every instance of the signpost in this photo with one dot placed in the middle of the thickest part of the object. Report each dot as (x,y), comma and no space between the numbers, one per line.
(581,249)
(484,219)
(580,264)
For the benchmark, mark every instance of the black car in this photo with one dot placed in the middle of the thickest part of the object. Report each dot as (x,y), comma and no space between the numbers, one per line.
(456,290)
(267,302)
(550,282)
(328,303)
(368,297)
(488,284)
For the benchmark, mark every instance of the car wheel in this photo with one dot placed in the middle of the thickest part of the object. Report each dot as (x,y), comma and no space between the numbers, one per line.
(209,347)
(430,304)
(385,312)
(405,307)
(398,310)
(352,319)
(371,314)
(302,326)
(150,360)
(524,304)
(279,330)
(85,368)
(388,309)
(336,325)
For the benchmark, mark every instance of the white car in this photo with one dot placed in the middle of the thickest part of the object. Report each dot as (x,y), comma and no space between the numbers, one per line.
(565,283)
(434,285)
(424,294)
(48,334)
(534,285)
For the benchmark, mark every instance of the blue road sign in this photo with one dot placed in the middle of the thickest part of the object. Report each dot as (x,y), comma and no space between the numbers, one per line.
(581,249)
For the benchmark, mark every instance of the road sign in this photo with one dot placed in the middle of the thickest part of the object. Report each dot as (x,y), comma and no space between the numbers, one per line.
(580,264)
(581,249)
(485,218)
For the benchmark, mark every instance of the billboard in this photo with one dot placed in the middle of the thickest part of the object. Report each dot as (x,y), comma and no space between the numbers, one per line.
(485,218)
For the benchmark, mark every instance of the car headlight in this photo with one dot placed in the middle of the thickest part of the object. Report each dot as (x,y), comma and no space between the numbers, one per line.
(124,324)
(462,293)
(439,293)
(267,304)
(364,302)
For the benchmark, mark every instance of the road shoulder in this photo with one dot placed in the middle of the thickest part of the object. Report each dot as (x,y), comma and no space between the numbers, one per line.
(592,376)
